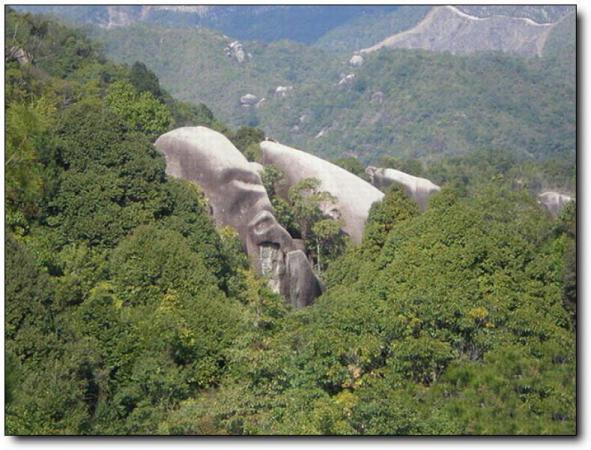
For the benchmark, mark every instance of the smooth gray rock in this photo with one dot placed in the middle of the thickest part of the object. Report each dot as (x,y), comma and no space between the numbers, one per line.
(346,79)
(554,201)
(299,289)
(420,189)
(354,195)
(257,167)
(238,199)
(283,91)
(356,60)
(249,100)
(377,97)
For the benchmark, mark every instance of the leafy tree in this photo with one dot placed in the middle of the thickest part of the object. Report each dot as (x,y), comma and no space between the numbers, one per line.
(352,165)
(144,80)
(307,203)
(395,207)
(246,139)
(27,129)
(128,312)
(141,111)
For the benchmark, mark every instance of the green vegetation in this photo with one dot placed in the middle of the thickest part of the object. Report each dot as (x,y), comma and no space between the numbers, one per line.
(122,298)
(128,312)
(454,325)
(365,31)
(299,23)
(426,105)
(192,65)
(401,103)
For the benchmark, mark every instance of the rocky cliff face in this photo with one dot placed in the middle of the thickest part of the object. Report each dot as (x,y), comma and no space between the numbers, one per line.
(238,199)
(447,28)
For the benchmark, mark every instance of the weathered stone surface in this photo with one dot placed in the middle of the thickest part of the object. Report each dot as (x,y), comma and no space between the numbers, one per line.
(282,91)
(554,201)
(238,199)
(20,55)
(236,51)
(249,100)
(347,79)
(257,167)
(377,97)
(303,286)
(354,195)
(420,189)
(356,60)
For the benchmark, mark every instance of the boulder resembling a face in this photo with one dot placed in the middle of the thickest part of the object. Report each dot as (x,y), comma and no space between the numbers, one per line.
(237,197)
(232,186)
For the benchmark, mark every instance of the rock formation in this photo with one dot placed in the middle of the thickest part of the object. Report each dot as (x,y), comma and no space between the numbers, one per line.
(238,199)
(356,60)
(236,51)
(420,189)
(346,79)
(249,100)
(554,201)
(354,195)
(20,55)
(377,97)
(282,91)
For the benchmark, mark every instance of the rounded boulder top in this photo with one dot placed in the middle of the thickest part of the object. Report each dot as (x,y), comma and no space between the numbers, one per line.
(354,195)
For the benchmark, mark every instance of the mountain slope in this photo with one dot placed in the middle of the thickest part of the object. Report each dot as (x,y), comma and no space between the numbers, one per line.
(422,104)
(128,313)
(194,65)
(537,13)
(400,102)
(263,22)
(446,28)
(366,30)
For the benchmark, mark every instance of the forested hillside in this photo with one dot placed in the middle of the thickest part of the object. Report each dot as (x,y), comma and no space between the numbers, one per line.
(399,103)
(366,30)
(181,56)
(267,23)
(128,312)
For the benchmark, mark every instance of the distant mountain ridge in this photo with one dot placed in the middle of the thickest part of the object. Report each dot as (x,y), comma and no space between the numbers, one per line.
(448,28)
(300,23)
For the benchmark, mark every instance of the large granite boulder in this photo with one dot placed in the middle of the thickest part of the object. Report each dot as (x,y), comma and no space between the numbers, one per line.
(354,195)
(420,189)
(554,201)
(248,100)
(238,199)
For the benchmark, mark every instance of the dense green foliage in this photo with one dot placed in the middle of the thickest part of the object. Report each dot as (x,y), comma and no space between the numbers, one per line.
(128,312)
(425,105)
(454,326)
(122,298)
